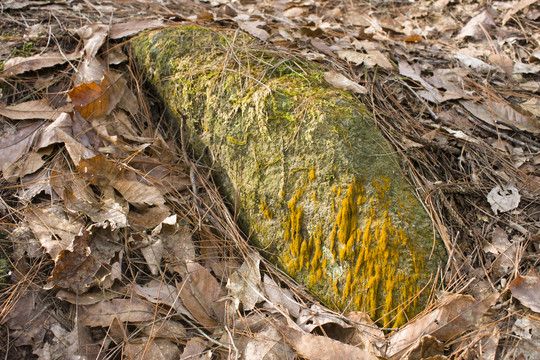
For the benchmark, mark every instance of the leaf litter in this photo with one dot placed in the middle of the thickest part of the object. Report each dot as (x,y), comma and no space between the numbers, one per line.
(142,250)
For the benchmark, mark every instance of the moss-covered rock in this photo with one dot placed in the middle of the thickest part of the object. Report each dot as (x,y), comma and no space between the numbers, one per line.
(316,185)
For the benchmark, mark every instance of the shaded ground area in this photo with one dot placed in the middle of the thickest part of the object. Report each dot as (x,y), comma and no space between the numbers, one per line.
(118,244)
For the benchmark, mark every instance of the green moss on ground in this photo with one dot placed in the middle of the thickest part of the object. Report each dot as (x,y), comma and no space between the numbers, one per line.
(318,186)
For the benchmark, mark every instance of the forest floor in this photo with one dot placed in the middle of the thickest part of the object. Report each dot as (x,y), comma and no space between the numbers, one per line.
(115,243)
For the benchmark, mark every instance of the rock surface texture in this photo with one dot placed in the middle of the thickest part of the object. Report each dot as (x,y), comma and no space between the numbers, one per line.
(316,185)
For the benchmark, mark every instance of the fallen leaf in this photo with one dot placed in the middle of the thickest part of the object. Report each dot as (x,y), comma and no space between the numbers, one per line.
(19,65)
(372,59)
(201,294)
(280,297)
(28,318)
(317,316)
(128,28)
(427,347)
(153,254)
(527,330)
(244,283)
(267,344)
(86,298)
(474,63)
(341,82)
(93,37)
(527,289)
(98,99)
(111,209)
(102,172)
(124,310)
(165,329)
(479,27)
(27,164)
(454,315)
(35,109)
(16,140)
(516,8)
(196,349)
(504,198)
(76,266)
(151,349)
(407,70)
(315,347)
(252,28)
(52,227)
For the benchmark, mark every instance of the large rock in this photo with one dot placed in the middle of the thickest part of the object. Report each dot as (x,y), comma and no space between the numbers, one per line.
(317,186)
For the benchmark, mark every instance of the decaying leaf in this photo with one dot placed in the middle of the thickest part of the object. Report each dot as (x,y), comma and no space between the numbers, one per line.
(25,165)
(196,349)
(19,65)
(503,199)
(341,82)
(267,344)
(153,254)
(124,310)
(202,295)
(454,315)
(527,289)
(52,228)
(102,172)
(479,27)
(28,319)
(244,283)
(109,210)
(372,59)
(76,266)
(252,28)
(15,141)
(93,37)
(86,298)
(315,347)
(280,297)
(431,93)
(165,329)
(151,349)
(128,28)
(35,109)
(94,100)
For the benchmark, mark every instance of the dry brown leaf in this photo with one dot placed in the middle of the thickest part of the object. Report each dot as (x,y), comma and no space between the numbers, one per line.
(153,254)
(267,344)
(201,294)
(47,135)
(124,310)
(454,315)
(317,316)
(158,293)
(93,37)
(342,82)
(111,209)
(431,93)
(372,59)
(86,298)
(54,230)
(151,349)
(196,349)
(315,347)
(128,28)
(16,140)
(19,65)
(252,28)
(165,329)
(148,218)
(35,109)
(479,27)
(244,284)
(101,172)
(94,100)
(89,71)
(527,290)
(503,198)
(177,241)
(517,8)
(76,266)
(27,164)
(280,297)
(28,319)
